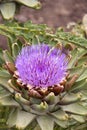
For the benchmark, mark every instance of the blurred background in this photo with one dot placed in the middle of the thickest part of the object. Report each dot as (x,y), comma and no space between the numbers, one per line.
(54,13)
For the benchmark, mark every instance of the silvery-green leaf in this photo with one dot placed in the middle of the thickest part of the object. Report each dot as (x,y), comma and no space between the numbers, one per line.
(83,75)
(4,74)
(8,10)
(4,93)
(80,85)
(20,118)
(30,3)
(82,61)
(75,108)
(60,115)
(84,96)
(4,84)
(8,101)
(77,70)
(4,77)
(45,122)
(15,50)
(79,118)
(81,52)
(24,119)
(70,98)
(12,117)
(76,54)
(63,124)
(82,126)
(73,59)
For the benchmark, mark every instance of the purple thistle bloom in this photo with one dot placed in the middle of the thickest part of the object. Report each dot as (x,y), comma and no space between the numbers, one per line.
(41,65)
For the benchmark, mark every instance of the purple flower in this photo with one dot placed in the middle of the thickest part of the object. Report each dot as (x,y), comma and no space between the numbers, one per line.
(41,65)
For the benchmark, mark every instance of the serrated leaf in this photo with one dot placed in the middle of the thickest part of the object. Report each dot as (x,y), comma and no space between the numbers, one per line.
(75,108)
(45,122)
(69,37)
(30,3)
(8,10)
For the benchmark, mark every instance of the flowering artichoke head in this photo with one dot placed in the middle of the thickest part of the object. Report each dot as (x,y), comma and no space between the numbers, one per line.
(44,86)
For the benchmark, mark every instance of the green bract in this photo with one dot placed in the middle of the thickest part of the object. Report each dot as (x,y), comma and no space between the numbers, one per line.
(8,7)
(68,108)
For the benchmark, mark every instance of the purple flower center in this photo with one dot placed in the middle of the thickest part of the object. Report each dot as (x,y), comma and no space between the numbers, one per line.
(41,65)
